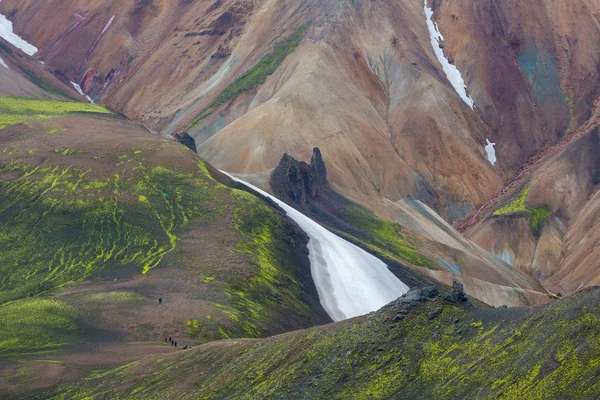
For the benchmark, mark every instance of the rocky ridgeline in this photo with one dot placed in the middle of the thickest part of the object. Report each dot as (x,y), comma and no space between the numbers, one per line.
(416,296)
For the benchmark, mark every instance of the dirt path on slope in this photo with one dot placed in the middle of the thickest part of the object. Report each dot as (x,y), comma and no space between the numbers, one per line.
(525,171)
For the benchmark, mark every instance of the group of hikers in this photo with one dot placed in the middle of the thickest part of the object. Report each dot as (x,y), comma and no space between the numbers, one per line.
(169,339)
(174,343)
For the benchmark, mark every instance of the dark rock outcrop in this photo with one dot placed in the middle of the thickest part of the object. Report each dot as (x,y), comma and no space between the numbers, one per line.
(299,181)
(458,295)
(306,188)
(419,294)
(185,139)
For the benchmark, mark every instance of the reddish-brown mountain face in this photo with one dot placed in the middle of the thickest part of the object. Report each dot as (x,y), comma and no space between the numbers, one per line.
(363,84)
(418,108)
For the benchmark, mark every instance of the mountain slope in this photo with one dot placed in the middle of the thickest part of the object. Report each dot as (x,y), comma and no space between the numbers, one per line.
(416,244)
(410,349)
(543,222)
(363,83)
(113,216)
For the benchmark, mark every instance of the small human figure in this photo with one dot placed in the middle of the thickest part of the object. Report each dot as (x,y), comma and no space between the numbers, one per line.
(166,338)
(160,300)
(175,344)
(170,339)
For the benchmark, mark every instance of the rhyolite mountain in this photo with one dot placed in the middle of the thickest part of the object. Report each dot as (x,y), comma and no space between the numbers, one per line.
(251,80)
(363,81)
(455,141)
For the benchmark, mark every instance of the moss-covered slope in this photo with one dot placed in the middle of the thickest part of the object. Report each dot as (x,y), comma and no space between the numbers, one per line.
(433,350)
(96,198)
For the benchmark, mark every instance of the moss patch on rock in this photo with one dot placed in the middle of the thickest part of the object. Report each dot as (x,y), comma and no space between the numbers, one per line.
(517,207)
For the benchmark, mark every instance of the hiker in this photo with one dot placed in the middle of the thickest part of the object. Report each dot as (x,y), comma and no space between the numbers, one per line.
(160,300)
(166,338)
(175,344)
(170,339)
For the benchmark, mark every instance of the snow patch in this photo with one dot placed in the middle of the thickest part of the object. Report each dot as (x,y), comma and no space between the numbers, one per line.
(350,281)
(3,63)
(452,73)
(6,33)
(505,256)
(491,152)
(78,88)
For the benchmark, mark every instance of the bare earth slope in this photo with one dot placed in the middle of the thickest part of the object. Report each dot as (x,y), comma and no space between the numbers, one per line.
(363,84)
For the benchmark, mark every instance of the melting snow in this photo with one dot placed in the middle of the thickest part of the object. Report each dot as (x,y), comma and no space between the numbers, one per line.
(3,63)
(350,281)
(6,33)
(452,73)
(78,88)
(491,152)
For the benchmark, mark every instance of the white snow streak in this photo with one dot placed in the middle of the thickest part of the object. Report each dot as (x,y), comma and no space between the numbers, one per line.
(78,88)
(3,63)
(350,281)
(452,73)
(6,33)
(491,152)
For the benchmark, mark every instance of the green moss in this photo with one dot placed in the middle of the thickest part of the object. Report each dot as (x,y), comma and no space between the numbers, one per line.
(257,74)
(382,236)
(14,119)
(552,352)
(18,110)
(193,328)
(61,224)
(66,225)
(116,297)
(517,206)
(274,285)
(67,151)
(23,105)
(538,218)
(36,326)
